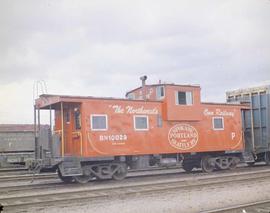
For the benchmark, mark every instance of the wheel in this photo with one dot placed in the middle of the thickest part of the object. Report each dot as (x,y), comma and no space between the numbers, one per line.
(233,165)
(206,164)
(66,179)
(120,173)
(187,166)
(86,177)
(82,178)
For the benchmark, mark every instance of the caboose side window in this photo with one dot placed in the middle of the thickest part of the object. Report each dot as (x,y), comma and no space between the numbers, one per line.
(99,122)
(131,96)
(140,122)
(67,117)
(160,92)
(184,98)
(77,117)
(218,123)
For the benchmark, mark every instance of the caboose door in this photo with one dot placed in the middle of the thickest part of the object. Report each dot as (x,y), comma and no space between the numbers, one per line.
(72,130)
(76,131)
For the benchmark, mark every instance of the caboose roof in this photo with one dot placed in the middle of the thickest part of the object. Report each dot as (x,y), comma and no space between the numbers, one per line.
(244,106)
(155,85)
(46,100)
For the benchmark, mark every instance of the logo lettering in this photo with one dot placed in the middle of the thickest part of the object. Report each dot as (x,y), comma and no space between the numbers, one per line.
(133,110)
(183,136)
(218,112)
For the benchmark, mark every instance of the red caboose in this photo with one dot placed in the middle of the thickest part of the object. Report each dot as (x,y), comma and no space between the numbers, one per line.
(162,124)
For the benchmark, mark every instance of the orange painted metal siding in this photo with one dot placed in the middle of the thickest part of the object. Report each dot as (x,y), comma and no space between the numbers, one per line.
(123,139)
(176,112)
(184,129)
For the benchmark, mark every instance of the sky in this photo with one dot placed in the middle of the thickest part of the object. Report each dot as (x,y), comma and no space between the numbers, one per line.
(101,48)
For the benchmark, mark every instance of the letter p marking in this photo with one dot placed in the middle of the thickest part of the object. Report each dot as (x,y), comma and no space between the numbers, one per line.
(233,135)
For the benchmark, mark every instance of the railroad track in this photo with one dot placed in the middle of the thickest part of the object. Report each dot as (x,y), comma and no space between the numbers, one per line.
(255,207)
(51,180)
(54,182)
(3,169)
(59,184)
(27,177)
(10,175)
(92,191)
(13,171)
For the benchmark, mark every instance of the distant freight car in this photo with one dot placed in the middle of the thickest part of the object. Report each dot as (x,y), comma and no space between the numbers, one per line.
(256,121)
(17,145)
(160,124)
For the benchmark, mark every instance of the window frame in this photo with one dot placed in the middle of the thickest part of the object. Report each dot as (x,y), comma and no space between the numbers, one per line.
(140,116)
(131,96)
(77,119)
(161,97)
(177,98)
(67,116)
(91,122)
(213,123)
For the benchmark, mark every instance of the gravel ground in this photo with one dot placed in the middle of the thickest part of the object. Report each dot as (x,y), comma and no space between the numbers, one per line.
(195,200)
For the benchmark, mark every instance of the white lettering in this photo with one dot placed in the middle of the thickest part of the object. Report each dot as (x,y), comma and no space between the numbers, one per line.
(132,110)
(233,135)
(218,112)
(117,109)
(206,112)
(120,137)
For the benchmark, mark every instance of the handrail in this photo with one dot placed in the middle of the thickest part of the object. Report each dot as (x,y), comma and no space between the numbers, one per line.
(57,131)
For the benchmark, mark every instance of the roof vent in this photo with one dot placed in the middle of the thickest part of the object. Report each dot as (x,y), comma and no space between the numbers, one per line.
(143,79)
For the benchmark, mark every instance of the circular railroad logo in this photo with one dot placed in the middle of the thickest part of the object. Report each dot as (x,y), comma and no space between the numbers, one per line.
(183,136)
